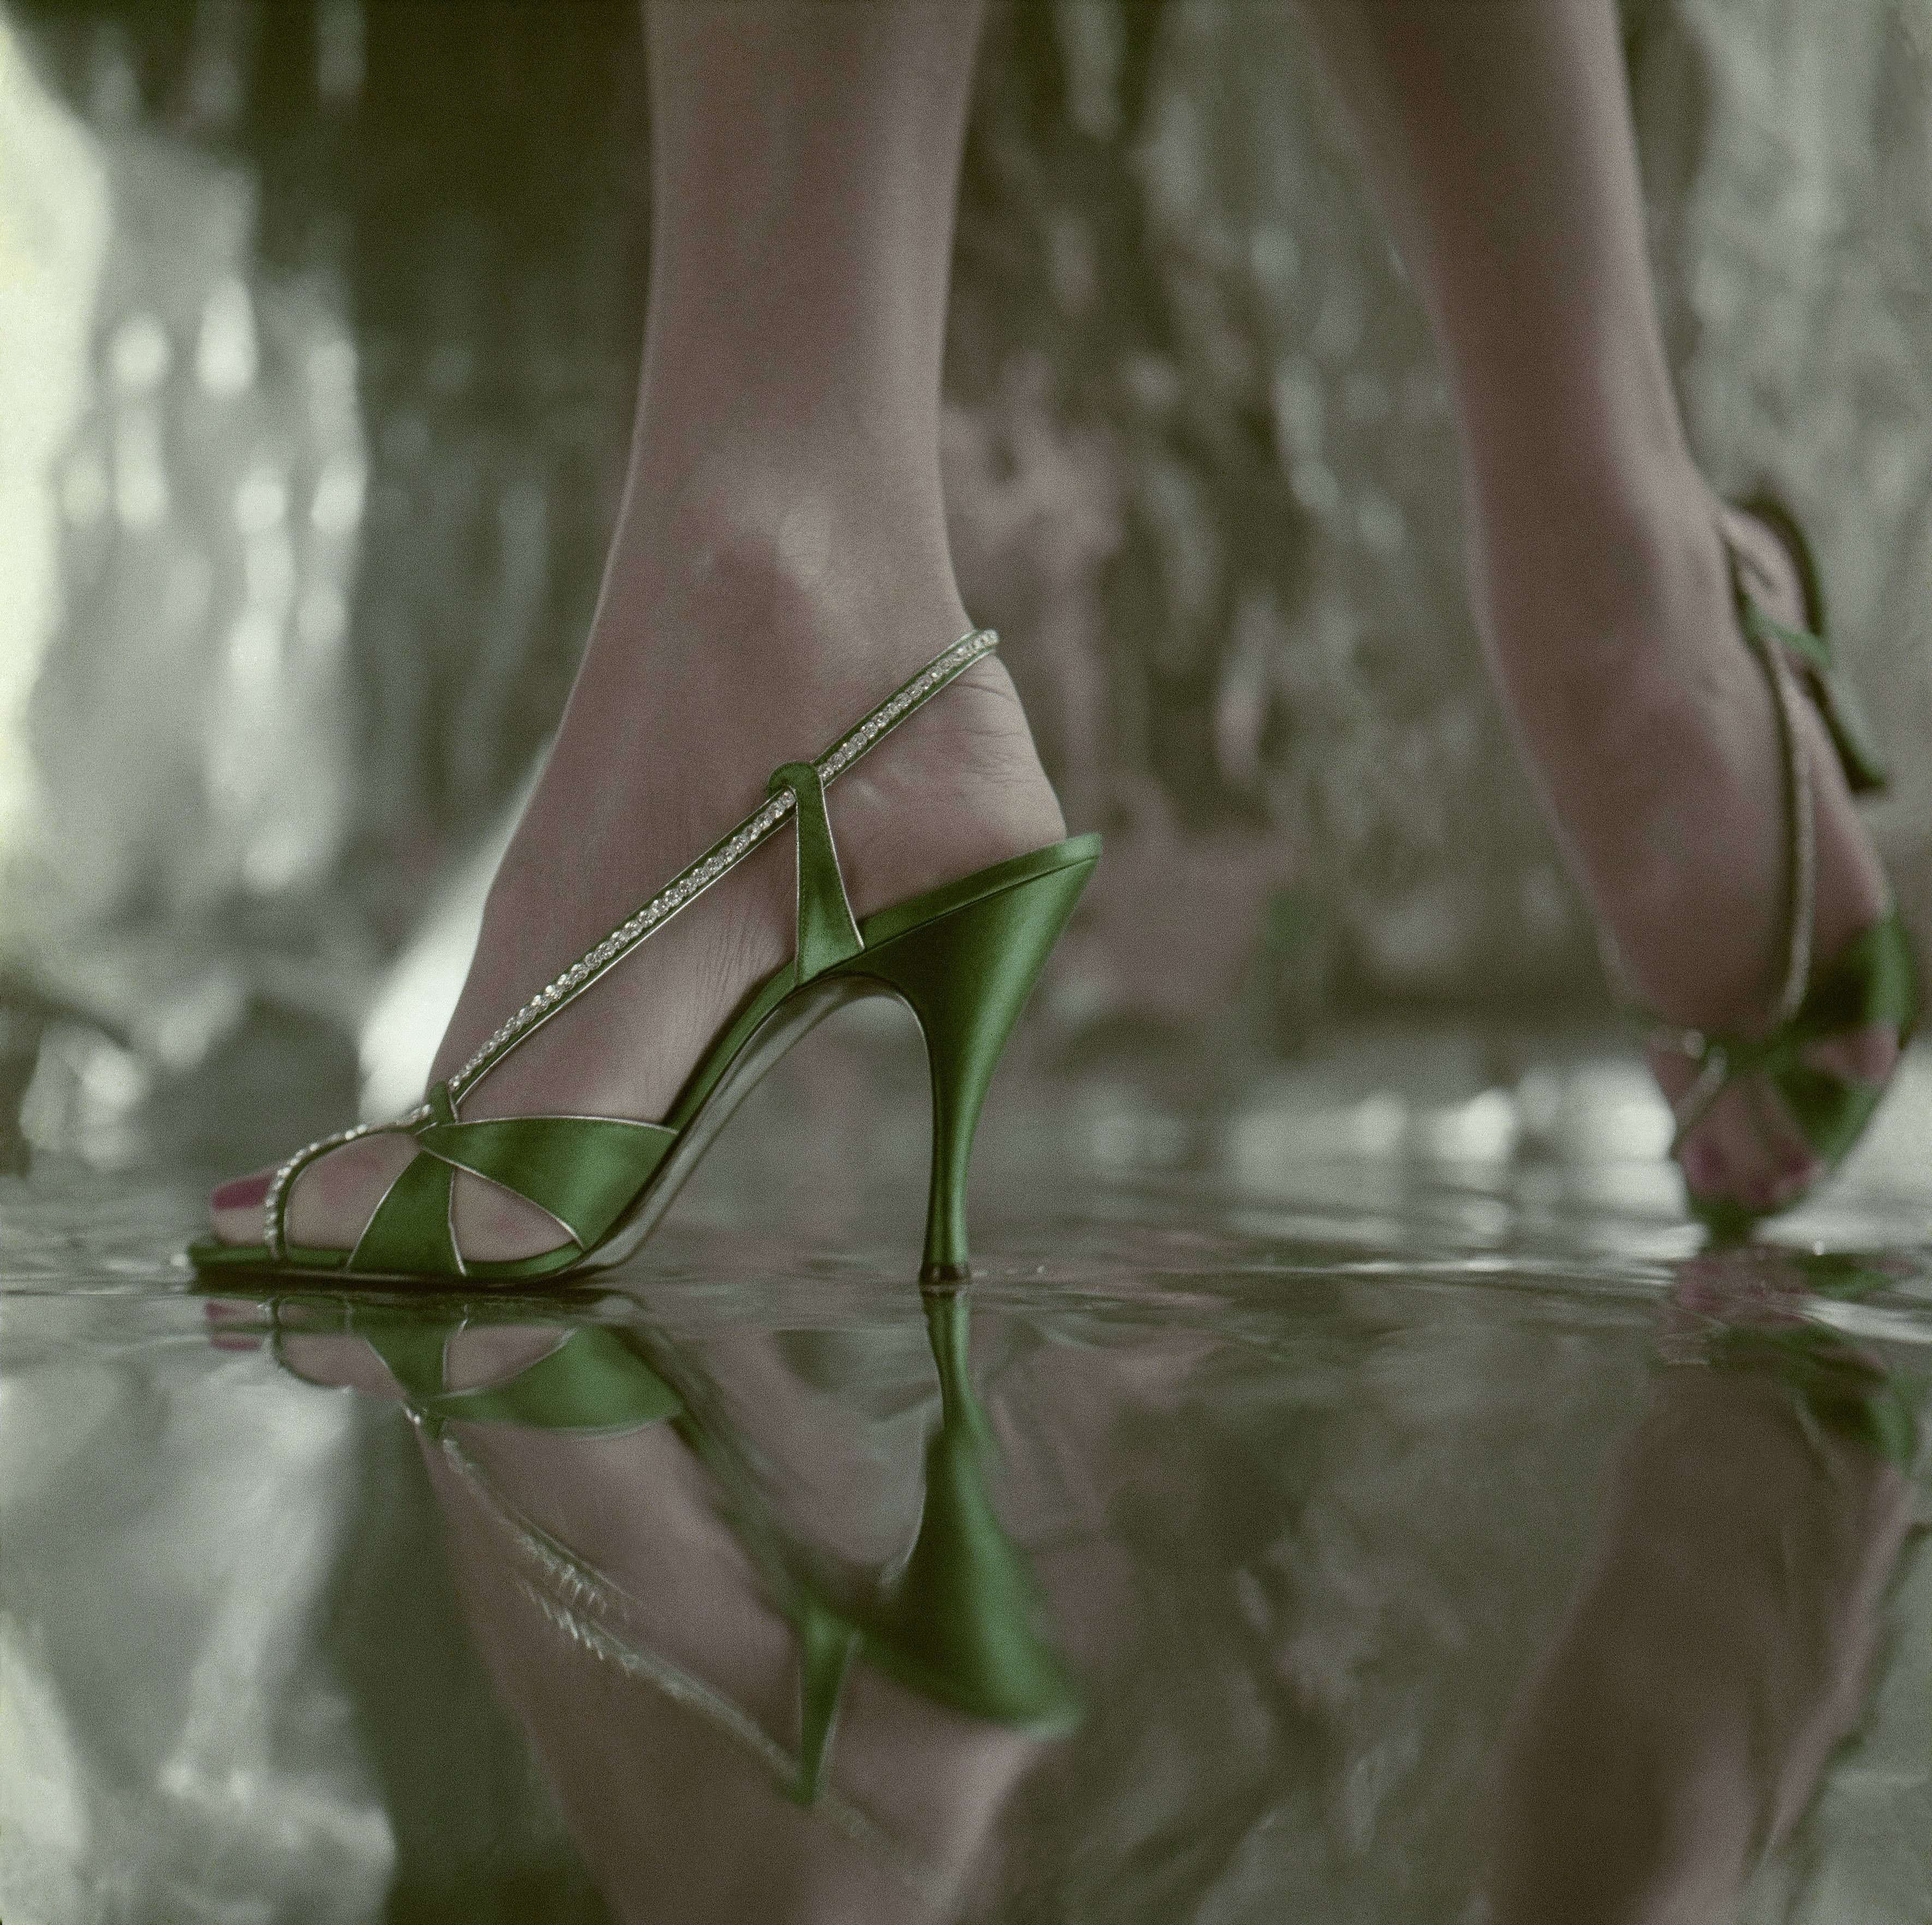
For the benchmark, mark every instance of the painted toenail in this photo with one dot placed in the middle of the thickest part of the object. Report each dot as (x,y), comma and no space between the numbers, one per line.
(242,1193)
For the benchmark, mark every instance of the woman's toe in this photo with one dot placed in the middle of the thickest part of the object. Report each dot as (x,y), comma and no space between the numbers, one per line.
(232,1324)
(235,1207)
(242,1193)
(1744,1153)
(331,1200)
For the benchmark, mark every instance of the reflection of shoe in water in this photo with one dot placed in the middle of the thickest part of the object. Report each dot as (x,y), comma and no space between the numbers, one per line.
(964,956)
(1714,1653)
(912,1711)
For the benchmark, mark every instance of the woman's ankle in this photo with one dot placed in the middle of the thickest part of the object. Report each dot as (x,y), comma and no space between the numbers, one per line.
(726,574)
(1611,572)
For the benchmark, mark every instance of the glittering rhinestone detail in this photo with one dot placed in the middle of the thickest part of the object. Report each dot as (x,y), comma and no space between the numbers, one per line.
(721,857)
(724,856)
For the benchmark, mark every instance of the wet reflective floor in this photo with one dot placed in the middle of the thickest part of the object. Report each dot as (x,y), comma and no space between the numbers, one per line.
(1354,1494)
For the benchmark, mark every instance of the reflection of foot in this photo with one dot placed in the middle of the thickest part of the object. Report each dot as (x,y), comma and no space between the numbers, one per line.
(1714,1651)
(716,658)
(634,1632)
(1650,732)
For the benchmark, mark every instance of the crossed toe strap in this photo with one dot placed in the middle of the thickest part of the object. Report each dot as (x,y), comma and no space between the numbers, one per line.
(580,1172)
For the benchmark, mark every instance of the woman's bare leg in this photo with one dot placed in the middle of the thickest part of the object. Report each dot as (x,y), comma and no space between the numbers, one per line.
(1498,136)
(779,564)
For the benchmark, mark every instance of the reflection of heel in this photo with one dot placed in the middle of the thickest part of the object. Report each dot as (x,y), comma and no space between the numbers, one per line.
(826,1644)
(967,971)
(957,1628)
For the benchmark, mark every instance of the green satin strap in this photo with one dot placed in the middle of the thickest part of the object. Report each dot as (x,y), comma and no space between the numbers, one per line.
(1829,1383)
(1873,984)
(1815,650)
(1872,981)
(592,1383)
(827,935)
(409,1233)
(582,1170)
(412,1351)
(1831,1112)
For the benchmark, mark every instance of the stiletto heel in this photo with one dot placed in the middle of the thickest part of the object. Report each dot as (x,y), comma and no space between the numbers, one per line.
(966,972)
(964,956)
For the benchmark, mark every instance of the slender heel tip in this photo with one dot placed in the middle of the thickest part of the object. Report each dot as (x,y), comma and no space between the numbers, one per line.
(942,1277)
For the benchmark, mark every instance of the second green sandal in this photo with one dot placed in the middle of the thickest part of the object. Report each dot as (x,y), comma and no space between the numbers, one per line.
(963,957)
(1871,982)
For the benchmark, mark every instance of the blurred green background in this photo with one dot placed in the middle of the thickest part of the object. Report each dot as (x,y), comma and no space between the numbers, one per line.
(322,322)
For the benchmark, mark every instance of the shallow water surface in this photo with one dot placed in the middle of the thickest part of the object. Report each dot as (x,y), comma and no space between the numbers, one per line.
(1368,1499)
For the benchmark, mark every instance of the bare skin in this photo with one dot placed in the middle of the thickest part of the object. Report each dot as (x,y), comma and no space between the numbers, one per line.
(1499,137)
(781,561)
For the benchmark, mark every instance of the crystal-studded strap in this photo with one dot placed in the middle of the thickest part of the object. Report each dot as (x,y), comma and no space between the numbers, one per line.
(722,857)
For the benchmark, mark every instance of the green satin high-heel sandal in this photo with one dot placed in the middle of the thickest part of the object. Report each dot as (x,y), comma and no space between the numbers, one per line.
(953,1625)
(1872,981)
(965,957)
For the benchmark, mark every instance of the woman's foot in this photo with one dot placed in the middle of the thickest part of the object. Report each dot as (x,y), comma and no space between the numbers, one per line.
(727,642)
(1648,729)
